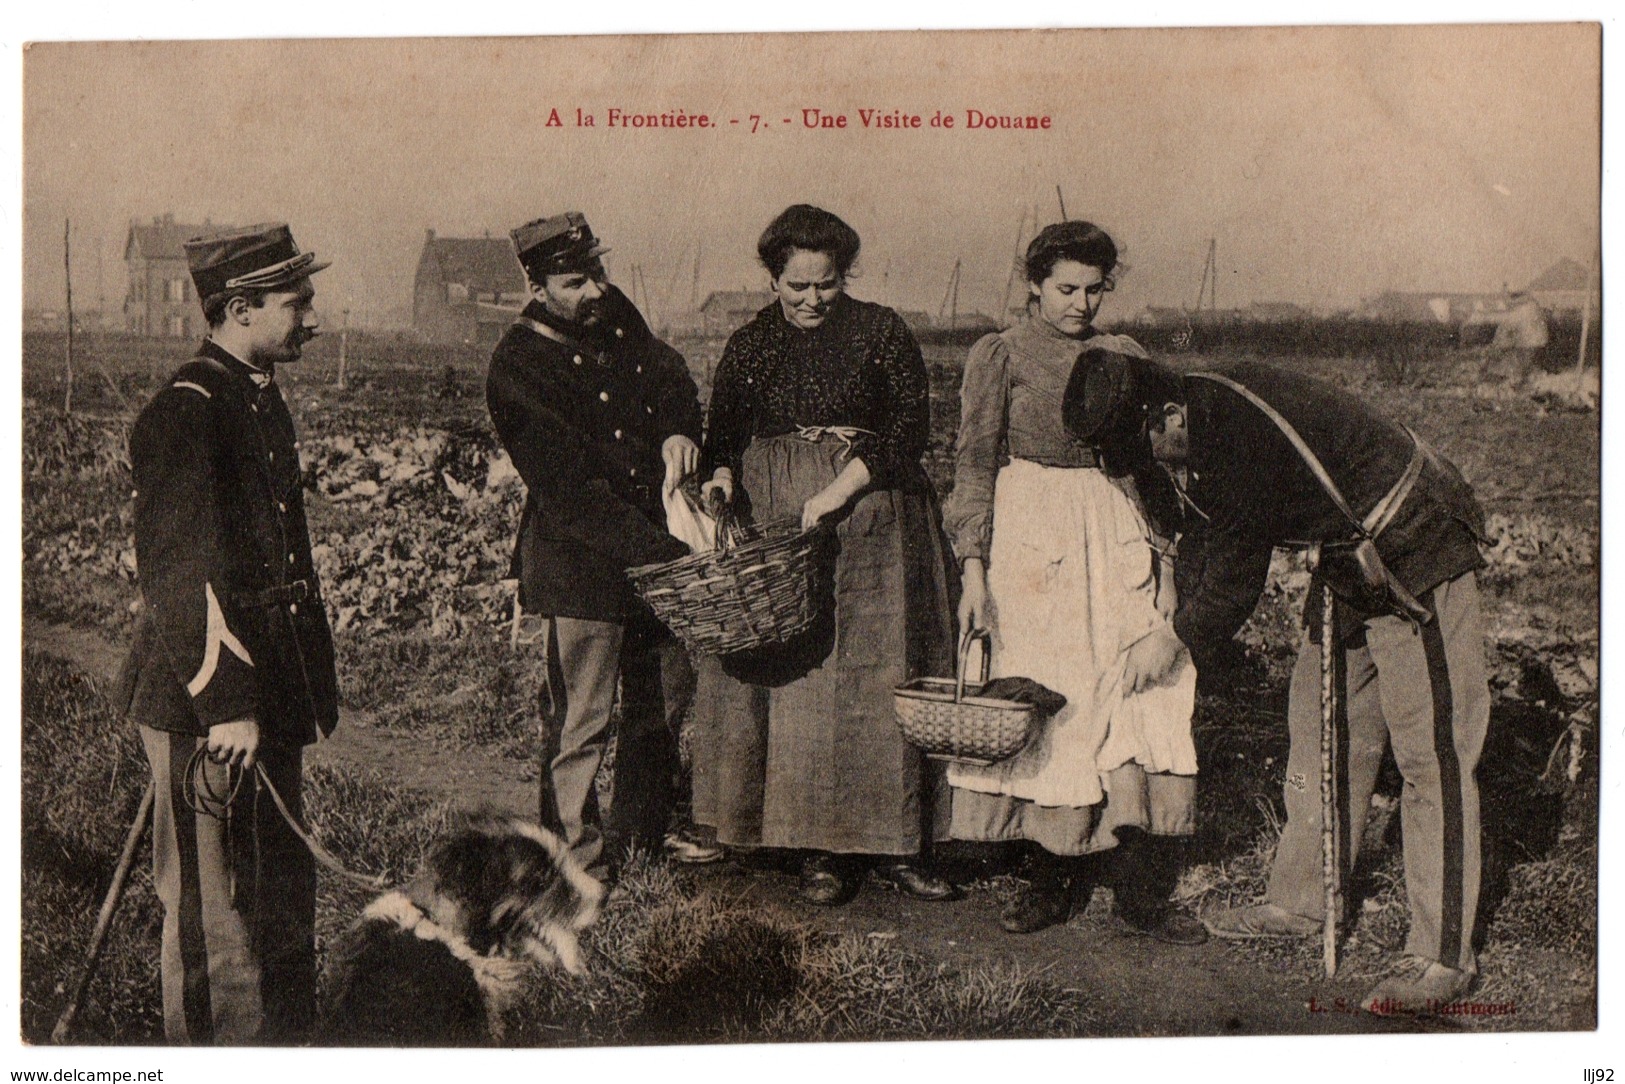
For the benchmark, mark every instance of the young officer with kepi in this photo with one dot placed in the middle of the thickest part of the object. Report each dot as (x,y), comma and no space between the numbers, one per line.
(231,670)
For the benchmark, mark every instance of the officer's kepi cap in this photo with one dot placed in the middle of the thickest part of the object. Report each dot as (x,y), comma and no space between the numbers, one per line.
(261,257)
(556,245)
(1110,396)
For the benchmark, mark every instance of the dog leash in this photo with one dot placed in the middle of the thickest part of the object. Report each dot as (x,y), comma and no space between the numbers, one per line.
(203,797)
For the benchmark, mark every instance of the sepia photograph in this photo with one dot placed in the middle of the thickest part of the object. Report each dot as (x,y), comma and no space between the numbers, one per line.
(754,538)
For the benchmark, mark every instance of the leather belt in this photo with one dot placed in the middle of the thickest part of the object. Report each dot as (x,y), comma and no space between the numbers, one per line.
(562,339)
(1077,458)
(1378,519)
(281,595)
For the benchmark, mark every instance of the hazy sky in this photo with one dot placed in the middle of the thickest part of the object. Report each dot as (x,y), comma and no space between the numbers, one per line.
(1328,163)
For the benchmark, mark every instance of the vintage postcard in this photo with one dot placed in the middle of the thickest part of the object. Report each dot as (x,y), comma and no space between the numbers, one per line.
(673,539)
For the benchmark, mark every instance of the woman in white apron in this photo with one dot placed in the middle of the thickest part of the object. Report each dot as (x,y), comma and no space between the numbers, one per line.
(1062,569)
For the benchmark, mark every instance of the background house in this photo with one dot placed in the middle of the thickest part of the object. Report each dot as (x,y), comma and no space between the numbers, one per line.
(1435,307)
(1563,287)
(161,301)
(1275,312)
(916,320)
(726,310)
(467,289)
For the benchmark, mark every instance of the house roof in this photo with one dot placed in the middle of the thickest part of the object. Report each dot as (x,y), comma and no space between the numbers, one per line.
(1277,308)
(483,264)
(737,300)
(1565,274)
(161,239)
(1429,295)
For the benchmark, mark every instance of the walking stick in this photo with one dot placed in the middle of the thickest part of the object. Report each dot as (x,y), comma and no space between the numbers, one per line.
(1331,869)
(104,921)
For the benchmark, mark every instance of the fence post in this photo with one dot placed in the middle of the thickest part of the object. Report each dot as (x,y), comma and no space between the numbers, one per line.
(1585,324)
(344,344)
(67,269)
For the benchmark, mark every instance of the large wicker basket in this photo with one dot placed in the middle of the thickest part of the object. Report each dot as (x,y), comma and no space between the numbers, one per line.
(948,720)
(759,587)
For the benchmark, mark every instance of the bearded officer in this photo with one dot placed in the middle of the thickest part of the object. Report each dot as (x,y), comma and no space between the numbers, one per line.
(1412,658)
(596,414)
(231,670)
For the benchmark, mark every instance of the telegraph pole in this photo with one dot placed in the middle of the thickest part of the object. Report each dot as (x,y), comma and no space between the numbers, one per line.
(1015,262)
(1585,319)
(67,270)
(344,343)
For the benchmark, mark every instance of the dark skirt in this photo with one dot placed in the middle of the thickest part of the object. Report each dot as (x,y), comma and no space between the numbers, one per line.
(797,746)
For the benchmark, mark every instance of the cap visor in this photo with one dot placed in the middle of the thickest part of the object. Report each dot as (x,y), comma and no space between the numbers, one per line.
(297,274)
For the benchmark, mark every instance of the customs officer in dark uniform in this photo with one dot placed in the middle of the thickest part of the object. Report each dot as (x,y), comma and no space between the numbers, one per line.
(231,668)
(597,414)
(1414,682)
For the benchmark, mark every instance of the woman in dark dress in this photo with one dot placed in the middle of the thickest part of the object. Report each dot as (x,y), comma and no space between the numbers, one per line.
(820,411)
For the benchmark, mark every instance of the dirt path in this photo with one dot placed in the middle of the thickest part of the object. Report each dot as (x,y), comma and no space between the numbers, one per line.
(1142,987)
(411,760)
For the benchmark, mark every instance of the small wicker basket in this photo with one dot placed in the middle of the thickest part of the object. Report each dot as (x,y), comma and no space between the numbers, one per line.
(759,587)
(948,720)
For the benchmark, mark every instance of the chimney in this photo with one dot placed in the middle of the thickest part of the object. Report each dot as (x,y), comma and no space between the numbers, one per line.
(429,237)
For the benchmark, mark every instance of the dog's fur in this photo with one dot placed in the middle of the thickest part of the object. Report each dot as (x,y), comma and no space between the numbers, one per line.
(437,962)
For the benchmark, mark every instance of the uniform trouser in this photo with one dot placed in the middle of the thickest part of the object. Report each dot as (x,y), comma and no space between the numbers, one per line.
(578,663)
(239,895)
(1423,690)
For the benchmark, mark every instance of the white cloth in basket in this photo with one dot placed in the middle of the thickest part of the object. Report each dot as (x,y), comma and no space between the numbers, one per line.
(686,522)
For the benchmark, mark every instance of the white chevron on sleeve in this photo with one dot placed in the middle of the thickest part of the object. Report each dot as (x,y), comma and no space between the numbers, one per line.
(216,634)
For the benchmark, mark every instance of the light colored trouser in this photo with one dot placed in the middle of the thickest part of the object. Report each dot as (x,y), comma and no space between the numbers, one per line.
(1425,691)
(237,971)
(577,666)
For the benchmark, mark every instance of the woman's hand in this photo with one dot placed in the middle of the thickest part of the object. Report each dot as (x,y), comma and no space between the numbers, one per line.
(837,495)
(825,502)
(973,599)
(721,484)
(1153,660)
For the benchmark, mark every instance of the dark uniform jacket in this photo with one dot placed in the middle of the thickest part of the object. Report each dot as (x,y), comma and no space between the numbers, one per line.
(1258,493)
(584,422)
(233,623)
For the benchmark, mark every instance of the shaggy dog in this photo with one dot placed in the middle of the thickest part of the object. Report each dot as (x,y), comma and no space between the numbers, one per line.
(436,962)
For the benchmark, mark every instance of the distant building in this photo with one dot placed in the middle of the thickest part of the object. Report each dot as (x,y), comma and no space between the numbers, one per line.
(1274,312)
(724,311)
(959,329)
(161,301)
(1161,316)
(1436,307)
(467,289)
(84,320)
(1562,287)
(1172,316)
(42,320)
(917,321)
